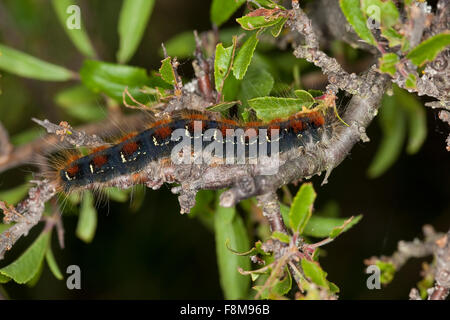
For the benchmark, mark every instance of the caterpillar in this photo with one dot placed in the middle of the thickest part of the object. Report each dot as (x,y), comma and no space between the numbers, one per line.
(136,151)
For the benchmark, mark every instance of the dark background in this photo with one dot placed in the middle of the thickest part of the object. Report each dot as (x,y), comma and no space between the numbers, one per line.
(156,253)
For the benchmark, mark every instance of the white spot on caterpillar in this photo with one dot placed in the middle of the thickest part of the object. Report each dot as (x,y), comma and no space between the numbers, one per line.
(123,158)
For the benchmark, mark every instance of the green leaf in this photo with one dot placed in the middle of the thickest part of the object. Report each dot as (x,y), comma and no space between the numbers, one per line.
(223,106)
(27,136)
(305,96)
(394,38)
(383,11)
(222,10)
(244,57)
(116,194)
(322,227)
(393,124)
(4,279)
(429,49)
(354,15)
(258,82)
(269,108)
(283,237)
(301,208)
(166,71)
(279,289)
(112,79)
(181,46)
(14,195)
(350,222)
(417,119)
(52,264)
(229,227)
(80,103)
(78,37)
(87,222)
(387,271)
(222,64)
(133,19)
(27,66)
(4,227)
(27,265)
(388,62)
(314,272)
(258,22)
(277,28)
(411,81)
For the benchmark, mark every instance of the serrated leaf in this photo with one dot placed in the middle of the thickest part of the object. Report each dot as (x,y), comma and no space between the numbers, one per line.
(393,125)
(87,222)
(52,264)
(79,36)
(133,19)
(315,273)
(350,222)
(222,10)
(429,49)
(244,57)
(269,108)
(14,195)
(354,15)
(417,120)
(281,236)
(166,71)
(301,208)
(388,62)
(279,289)
(25,65)
(27,265)
(229,228)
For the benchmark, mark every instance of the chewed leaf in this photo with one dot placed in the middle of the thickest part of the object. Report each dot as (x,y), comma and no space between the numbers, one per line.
(166,71)
(304,95)
(383,11)
(256,22)
(269,108)
(429,49)
(27,265)
(222,64)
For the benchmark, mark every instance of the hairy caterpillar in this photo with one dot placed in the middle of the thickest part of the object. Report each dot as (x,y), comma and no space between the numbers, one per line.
(136,151)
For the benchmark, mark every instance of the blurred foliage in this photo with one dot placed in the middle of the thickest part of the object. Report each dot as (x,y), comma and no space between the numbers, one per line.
(248,67)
